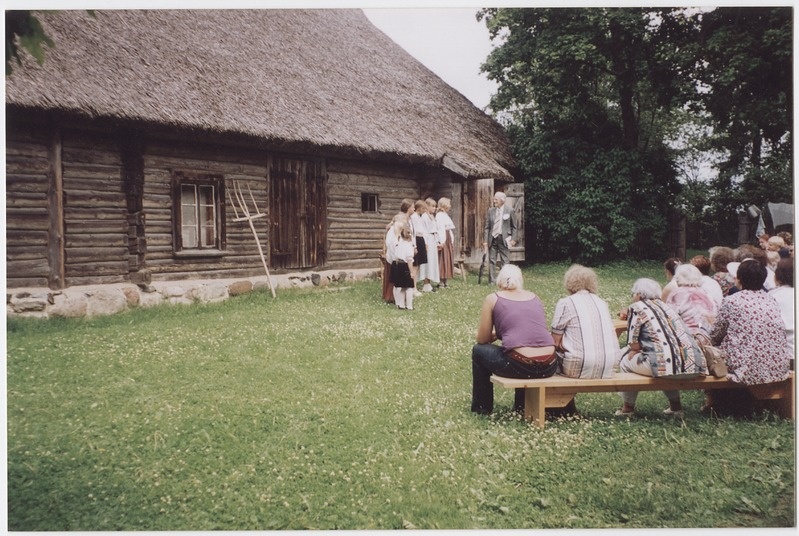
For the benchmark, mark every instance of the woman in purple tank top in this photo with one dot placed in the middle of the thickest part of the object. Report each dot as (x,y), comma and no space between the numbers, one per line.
(515,317)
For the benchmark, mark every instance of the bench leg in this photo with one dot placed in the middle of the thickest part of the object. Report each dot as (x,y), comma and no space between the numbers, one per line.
(535,405)
(786,406)
(780,393)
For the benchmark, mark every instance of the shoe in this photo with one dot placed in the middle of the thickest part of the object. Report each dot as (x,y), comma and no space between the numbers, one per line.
(416,293)
(400,308)
(427,288)
(409,308)
(674,412)
(622,413)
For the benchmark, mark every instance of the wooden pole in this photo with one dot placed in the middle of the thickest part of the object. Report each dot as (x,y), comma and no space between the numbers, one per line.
(242,204)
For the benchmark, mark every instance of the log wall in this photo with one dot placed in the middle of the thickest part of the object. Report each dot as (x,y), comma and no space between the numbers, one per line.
(105,232)
(94,207)
(27,217)
(241,256)
(355,238)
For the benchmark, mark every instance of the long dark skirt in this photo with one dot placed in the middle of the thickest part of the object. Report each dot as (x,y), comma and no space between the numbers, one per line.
(388,286)
(421,252)
(446,269)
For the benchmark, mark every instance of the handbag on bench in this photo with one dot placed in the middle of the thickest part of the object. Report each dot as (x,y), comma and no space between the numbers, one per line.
(714,356)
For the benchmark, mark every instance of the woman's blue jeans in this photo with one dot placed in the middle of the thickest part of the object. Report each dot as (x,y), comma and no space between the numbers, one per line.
(488,359)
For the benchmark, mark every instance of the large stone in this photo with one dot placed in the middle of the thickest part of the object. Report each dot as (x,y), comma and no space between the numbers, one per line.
(69,304)
(300,282)
(174,291)
(240,287)
(132,296)
(180,301)
(212,293)
(151,299)
(29,302)
(106,301)
(261,284)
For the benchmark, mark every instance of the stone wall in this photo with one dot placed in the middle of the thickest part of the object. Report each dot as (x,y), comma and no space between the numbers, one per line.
(97,300)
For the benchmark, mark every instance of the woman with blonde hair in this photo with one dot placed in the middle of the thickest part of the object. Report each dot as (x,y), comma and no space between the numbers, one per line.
(582,328)
(428,272)
(515,317)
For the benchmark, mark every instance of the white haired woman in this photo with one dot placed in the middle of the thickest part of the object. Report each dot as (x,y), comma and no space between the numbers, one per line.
(659,345)
(516,317)
(692,302)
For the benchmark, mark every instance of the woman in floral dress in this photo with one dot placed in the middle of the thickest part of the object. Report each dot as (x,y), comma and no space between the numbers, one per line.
(750,330)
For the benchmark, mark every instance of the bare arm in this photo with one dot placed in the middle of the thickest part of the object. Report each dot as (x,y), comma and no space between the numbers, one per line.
(485,329)
(557,337)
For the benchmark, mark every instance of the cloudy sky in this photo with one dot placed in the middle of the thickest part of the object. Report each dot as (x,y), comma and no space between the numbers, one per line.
(448,41)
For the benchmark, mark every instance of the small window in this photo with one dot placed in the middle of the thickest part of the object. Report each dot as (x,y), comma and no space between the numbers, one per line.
(369,202)
(198,212)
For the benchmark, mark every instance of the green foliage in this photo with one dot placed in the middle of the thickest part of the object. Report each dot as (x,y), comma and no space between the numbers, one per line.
(23,30)
(586,93)
(326,409)
(606,108)
(748,69)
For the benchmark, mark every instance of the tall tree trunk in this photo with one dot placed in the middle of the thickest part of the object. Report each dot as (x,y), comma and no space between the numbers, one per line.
(620,42)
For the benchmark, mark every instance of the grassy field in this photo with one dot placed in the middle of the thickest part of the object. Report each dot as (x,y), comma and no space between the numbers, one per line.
(327,409)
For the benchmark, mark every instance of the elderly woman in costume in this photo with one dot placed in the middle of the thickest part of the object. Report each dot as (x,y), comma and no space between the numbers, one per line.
(692,302)
(659,345)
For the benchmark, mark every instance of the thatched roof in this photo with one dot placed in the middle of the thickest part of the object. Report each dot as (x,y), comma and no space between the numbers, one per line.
(325,78)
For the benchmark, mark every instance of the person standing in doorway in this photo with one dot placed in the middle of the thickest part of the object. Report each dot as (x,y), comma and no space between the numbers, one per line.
(500,235)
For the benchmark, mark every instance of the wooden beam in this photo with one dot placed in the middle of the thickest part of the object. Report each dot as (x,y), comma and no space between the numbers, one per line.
(450,164)
(55,202)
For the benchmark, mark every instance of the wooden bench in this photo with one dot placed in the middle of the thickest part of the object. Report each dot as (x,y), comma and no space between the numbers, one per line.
(558,391)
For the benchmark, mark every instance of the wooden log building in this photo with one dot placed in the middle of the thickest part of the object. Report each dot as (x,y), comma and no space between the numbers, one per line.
(123,147)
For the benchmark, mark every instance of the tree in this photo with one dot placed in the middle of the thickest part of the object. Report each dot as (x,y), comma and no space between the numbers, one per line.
(586,95)
(747,75)
(23,30)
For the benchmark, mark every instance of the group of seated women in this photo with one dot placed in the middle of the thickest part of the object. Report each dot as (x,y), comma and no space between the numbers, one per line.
(665,336)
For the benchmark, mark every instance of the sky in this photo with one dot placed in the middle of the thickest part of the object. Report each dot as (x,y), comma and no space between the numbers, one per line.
(448,41)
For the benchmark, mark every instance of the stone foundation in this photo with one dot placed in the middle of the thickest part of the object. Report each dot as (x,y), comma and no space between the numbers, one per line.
(97,300)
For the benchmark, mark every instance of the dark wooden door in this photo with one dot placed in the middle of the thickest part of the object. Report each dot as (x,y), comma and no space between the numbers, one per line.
(298,208)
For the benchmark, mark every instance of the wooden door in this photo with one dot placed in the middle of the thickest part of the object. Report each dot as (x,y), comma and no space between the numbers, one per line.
(298,208)
(515,199)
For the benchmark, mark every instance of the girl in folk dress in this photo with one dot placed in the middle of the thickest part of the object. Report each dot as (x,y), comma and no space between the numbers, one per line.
(417,233)
(406,209)
(429,272)
(404,286)
(446,239)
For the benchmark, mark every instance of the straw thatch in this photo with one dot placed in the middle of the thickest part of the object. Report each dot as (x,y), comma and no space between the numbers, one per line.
(325,80)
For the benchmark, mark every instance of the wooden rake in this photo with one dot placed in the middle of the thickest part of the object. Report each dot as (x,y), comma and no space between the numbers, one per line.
(240,204)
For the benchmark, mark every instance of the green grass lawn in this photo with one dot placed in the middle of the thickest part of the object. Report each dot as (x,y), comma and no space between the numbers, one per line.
(327,409)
